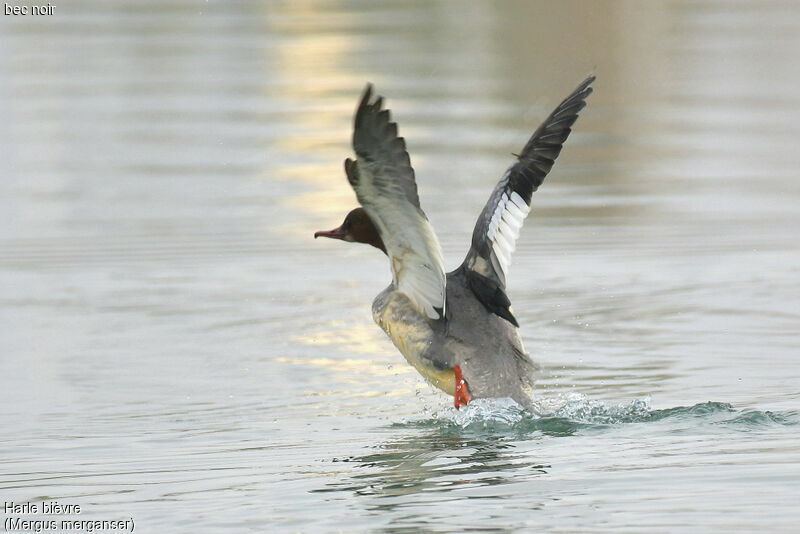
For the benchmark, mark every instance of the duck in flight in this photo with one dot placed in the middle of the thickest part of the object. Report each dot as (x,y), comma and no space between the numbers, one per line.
(455,328)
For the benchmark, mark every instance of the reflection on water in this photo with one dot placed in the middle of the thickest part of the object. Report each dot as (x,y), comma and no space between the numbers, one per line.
(176,347)
(436,460)
(496,444)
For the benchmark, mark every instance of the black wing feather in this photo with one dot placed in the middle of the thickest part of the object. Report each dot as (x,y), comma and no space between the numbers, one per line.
(488,280)
(376,143)
(544,146)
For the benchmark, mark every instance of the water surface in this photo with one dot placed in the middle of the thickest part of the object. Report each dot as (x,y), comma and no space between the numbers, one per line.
(178,349)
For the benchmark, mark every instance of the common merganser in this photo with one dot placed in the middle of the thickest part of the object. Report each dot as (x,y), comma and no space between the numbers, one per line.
(456,329)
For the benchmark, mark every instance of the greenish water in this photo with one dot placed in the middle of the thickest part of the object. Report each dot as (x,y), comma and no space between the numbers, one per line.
(177,349)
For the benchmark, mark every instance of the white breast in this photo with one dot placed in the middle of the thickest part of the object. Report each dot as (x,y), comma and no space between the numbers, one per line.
(411,333)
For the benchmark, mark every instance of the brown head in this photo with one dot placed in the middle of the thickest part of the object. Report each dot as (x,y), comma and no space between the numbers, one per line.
(356,228)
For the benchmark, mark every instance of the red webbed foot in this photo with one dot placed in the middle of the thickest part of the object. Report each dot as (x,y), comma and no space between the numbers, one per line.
(461,396)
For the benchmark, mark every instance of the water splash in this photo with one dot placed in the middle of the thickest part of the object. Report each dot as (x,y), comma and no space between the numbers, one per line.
(494,412)
(568,414)
(579,408)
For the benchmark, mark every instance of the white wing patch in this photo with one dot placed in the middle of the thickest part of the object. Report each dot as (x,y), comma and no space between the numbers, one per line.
(504,227)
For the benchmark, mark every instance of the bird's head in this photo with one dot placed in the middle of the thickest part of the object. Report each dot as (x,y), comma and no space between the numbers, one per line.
(356,228)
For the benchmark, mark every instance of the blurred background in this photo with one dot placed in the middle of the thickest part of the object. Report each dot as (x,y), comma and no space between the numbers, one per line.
(176,347)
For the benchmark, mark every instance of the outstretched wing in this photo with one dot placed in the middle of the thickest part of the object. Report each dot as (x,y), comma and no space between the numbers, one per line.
(383,180)
(499,224)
